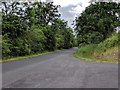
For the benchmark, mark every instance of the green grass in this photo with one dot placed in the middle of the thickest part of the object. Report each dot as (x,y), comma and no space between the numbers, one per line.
(87,53)
(26,57)
(93,59)
(105,52)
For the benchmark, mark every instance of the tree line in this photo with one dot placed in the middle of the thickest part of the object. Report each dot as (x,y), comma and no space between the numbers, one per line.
(33,27)
(97,22)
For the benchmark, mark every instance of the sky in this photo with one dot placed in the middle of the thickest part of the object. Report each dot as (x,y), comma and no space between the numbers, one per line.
(71,8)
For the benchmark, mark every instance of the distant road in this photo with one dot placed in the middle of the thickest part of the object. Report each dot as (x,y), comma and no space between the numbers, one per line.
(59,70)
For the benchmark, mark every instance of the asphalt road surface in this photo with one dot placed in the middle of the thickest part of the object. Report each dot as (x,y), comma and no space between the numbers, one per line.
(59,70)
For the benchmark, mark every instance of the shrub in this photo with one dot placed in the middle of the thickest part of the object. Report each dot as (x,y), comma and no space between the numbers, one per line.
(87,50)
(20,47)
(108,43)
(36,40)
(82,44)
(5,45)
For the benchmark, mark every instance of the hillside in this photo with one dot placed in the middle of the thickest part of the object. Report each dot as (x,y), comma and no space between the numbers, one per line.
(106,51)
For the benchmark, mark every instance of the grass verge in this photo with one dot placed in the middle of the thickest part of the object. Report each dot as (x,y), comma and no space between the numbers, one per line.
(28,56)
(89,53)
(105,52)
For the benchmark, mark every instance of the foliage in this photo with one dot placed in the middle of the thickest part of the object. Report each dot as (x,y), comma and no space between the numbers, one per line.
(111,42)
(97,22)
(33,27)
(37,40)
(106,51)
(5,45)
(87,50)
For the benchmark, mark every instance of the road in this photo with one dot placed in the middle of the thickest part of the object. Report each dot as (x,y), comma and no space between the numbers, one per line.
(59,70)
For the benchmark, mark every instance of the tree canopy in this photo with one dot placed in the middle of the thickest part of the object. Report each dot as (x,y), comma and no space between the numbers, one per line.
(97,22)
(33,27)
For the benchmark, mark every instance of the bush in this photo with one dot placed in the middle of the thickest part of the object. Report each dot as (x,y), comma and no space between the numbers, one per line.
(82,44)
(59,41)
(20,47)
(29,43)
(90,38)
(37,40)
(5,45)
(108,43)
(87,50)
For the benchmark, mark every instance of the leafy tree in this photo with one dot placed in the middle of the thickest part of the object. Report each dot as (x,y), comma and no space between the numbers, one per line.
(5,46)
(98,20)
(33,27)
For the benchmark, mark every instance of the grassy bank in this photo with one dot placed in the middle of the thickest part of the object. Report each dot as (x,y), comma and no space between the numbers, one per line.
(26,57)
(106,51)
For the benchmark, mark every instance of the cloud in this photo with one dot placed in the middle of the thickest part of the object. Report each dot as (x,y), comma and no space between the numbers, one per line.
(66,14)
(70,8)
(77,9)
(71,11)
(66,2)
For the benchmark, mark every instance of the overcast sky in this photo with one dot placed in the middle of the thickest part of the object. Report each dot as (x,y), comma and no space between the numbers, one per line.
(71,8)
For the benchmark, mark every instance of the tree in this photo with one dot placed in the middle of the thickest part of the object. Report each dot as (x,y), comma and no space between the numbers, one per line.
(98,20)
(33,27)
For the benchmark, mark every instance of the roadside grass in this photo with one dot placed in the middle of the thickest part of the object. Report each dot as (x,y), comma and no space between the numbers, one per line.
(85,51)
(110,55)
(88,53)
(106,52)
(26,57)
